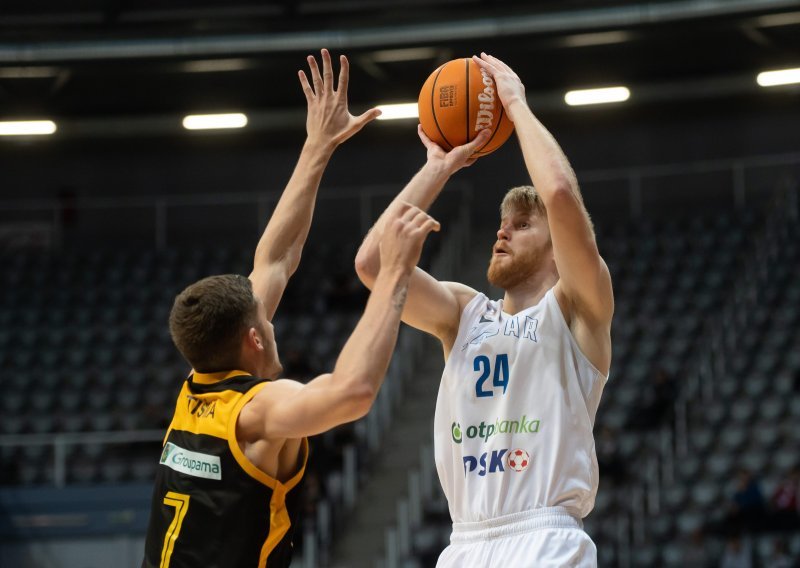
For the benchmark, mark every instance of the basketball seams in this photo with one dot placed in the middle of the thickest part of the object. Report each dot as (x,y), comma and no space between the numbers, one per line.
(469,93)
(433,107)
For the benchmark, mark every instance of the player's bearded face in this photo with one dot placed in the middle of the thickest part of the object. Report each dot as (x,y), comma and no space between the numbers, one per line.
(520,251)
(506,272)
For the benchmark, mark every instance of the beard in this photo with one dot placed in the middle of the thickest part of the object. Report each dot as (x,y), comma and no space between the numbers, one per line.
(510,271)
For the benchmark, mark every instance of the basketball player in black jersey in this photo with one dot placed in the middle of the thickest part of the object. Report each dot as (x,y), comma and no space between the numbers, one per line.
(226,490)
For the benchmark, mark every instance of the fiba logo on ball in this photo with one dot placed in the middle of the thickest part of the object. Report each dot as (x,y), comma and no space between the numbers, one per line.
(518,459)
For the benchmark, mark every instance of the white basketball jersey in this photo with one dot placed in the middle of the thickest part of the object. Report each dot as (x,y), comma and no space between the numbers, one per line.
(515,412)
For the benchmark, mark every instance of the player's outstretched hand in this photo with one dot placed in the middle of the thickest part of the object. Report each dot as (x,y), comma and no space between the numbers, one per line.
(509,86)
(405,233)
(329,121)
(457,158)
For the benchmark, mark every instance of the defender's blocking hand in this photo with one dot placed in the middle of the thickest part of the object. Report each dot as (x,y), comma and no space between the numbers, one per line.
(406,230)
(329,121)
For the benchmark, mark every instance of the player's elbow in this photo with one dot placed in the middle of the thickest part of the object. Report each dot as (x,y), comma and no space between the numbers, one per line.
(367,266)
(361,395)
(561,192)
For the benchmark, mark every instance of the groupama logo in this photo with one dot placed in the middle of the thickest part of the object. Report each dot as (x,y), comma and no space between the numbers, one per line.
(191,463)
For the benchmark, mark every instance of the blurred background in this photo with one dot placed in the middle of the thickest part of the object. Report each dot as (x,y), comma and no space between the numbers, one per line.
(109,206)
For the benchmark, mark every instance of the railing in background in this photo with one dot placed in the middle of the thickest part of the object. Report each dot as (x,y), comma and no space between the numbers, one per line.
(635,180)
(59,442)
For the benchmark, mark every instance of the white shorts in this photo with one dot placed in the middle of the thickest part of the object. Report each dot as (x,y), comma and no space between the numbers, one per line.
(549,537)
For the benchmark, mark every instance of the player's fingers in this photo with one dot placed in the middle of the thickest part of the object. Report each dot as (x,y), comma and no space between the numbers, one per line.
(410,213)
(427,142)
(422,135)
(367,117)
(484,64)
(307,90)
(402,208)
(344,75)
(315,76)
(498,64)
(427,224)
(327,70)
(424,222)
(481,139)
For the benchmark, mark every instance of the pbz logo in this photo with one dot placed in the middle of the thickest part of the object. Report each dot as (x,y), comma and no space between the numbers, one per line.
(518,460)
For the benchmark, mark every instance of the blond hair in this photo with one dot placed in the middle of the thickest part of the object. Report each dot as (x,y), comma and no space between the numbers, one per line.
(523,199)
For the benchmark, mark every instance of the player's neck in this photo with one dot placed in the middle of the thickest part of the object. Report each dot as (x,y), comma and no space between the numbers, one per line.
(529,292)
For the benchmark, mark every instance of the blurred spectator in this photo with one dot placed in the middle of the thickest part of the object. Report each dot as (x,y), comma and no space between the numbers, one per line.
(608,458)
(747,505)
(785,512)
(696,551)
(738,553)
(780,557)
(346,294)
(658,403)
(296,366)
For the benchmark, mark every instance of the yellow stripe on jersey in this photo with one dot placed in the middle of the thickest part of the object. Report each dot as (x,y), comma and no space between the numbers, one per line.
(207,413)
(211,378)
(279,520)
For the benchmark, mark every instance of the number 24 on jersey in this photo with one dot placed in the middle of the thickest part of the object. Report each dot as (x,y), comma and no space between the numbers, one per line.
(483,365)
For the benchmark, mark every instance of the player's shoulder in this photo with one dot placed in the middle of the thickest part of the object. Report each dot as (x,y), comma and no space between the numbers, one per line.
(273,391)
(250,422)
(464,294)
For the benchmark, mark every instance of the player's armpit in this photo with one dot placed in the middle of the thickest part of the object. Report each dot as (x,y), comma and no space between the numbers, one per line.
(288,409)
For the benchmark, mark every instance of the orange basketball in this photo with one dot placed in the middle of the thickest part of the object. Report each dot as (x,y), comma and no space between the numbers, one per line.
(459,100)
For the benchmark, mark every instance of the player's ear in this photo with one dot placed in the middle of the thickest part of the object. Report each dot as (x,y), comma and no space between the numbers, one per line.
(254,339)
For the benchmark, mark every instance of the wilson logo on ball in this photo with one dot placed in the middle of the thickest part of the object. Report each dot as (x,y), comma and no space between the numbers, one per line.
(518,459)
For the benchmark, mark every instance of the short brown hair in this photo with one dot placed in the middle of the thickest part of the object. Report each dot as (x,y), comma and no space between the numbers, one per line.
(208,319)
(524,199)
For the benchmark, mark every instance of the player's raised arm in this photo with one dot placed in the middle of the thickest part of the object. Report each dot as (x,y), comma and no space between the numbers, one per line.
(583,275)
(432,306)
(287,409)
(329,123)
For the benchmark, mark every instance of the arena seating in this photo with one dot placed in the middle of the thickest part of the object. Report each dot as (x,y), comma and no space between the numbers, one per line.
(85,348)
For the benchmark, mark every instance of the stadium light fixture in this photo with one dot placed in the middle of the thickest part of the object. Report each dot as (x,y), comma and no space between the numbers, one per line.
(27,127)
(597,96)
(214,121)
(398,111)
(778,77)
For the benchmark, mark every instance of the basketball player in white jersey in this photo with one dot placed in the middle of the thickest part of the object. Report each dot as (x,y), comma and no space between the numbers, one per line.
(524,374)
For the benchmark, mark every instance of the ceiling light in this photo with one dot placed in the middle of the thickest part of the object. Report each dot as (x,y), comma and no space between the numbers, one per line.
(407,54)
(777,20)
(214,121)
(778,77)
(28,72)
(397,111)
(27,127)
(597,96)
(216,65)
(600,38)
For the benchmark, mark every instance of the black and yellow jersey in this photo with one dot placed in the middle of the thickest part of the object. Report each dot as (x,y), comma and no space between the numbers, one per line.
(211,506)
